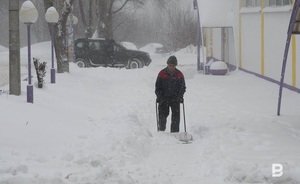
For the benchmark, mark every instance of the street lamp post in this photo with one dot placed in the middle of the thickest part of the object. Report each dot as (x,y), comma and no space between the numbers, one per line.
(200,41)
(29,15)
(195,2)
(51,17)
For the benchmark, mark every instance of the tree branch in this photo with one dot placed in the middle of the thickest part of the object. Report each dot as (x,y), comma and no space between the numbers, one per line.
(82,13)
(116,11)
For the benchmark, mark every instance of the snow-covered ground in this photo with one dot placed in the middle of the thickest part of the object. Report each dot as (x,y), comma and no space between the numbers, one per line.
(2,48)
(98,125)
(39,50)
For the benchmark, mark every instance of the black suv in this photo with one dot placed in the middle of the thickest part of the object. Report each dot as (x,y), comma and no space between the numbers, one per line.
(102,52)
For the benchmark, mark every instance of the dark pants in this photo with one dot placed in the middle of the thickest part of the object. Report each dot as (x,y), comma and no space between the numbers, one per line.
(164,109)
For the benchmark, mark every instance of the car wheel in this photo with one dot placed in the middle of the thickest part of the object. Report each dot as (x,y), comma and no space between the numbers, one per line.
(141,64)
(135,63)
(81,63)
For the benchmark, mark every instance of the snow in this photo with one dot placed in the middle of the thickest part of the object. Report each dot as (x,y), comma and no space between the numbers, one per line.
(129,45)
(2,48)
(218,65)
(28,12)
(151,47)
(41,51)
(98,125)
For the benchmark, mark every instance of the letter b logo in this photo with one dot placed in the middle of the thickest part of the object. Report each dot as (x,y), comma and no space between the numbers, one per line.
(277,170)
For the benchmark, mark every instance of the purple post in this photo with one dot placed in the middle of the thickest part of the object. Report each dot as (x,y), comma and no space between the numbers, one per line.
(198,34)
(29,86)
(29,93)
(286,51)
(52,55)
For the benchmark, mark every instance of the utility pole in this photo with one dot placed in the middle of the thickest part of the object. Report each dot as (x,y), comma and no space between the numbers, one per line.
(14,49)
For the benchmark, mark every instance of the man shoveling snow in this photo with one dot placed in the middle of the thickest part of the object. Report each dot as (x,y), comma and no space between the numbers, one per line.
(169,89)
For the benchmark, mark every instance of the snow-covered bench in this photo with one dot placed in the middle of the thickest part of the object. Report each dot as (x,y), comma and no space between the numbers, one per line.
(218,68)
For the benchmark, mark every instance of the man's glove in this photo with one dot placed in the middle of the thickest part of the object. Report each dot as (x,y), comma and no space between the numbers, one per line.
(158,99)
(180,99)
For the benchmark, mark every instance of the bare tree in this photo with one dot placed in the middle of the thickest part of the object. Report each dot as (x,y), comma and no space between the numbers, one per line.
(105,12)
(169,22)
(82,14)
(181,27)
(39,28)
(4,16)
(64,9)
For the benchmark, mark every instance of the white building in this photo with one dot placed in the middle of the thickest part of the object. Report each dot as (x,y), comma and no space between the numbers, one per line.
(253,33)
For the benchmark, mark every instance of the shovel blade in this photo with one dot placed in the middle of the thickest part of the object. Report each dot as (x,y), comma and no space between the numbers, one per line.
(184,137)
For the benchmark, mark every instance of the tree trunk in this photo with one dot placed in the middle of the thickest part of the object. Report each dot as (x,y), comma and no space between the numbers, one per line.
(60,44)
(106,12)
(89,32)
(14,49)
(104,24)
(101,14)
(109,26)
(82,15)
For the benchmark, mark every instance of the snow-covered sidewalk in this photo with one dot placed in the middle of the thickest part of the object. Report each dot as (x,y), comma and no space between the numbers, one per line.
(98,125)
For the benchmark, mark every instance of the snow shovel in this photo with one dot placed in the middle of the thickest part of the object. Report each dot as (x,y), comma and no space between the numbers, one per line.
(157,116)
(184,136)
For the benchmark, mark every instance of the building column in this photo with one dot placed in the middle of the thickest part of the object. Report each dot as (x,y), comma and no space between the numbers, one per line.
(294,61)
(262,38)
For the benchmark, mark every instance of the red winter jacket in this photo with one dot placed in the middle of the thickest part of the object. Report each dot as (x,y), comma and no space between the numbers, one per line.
(170,86)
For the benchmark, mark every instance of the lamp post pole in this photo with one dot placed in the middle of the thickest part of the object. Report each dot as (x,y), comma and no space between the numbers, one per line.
(29,15)
(198,34)
(29,85)
(51,17)
(52,53)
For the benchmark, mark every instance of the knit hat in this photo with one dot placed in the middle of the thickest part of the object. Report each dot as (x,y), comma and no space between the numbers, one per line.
(172,60)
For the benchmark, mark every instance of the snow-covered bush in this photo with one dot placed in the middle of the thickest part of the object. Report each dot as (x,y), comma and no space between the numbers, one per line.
(40,71)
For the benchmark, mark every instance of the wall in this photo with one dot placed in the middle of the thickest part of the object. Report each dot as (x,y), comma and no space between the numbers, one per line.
(276,26)
(259,36)
(250,41)
(276,21)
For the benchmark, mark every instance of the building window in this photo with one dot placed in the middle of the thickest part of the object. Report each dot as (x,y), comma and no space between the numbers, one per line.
(273,3)
(279,2)
(250,3)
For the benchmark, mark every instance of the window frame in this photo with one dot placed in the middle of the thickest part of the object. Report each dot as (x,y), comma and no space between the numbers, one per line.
(278,3)
(268,3)
(250,3)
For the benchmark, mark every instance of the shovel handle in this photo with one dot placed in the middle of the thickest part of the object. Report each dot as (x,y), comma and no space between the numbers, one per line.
(157,116)
(184,117)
